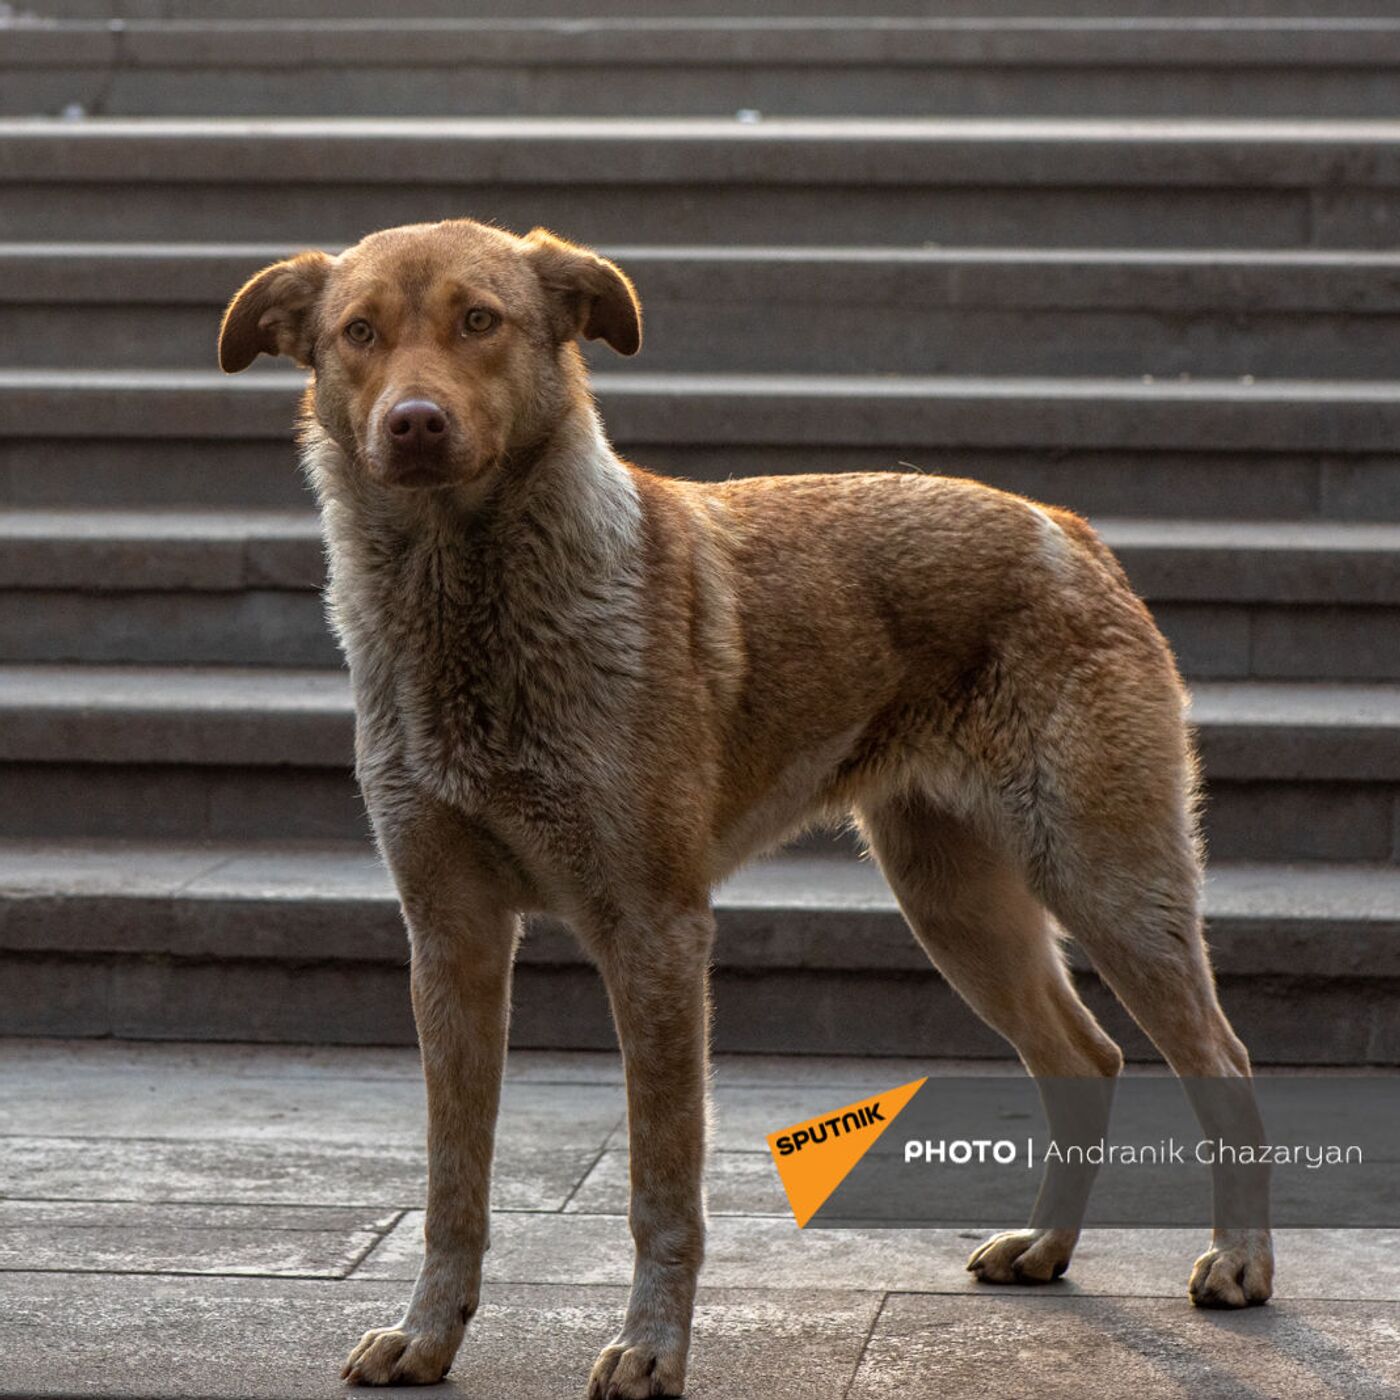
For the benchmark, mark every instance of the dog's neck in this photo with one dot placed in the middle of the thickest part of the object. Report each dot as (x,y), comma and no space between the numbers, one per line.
(551,553)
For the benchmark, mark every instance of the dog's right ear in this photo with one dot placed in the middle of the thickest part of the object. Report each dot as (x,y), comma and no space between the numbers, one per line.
(271,315)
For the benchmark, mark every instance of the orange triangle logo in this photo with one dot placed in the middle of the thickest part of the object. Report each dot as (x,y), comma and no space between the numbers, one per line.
(815,1157)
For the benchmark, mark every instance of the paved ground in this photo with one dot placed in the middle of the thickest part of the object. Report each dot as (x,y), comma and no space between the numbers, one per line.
(221,1221)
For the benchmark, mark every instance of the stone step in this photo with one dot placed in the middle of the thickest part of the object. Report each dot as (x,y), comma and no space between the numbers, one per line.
(1100,182)
(225,11)
(1296,771)
(704,65)
(1276,600)
(1276,449)
(286,942)
(1215,313)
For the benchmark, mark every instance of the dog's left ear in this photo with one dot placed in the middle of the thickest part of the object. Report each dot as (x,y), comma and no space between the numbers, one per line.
(593,297)
(271,315)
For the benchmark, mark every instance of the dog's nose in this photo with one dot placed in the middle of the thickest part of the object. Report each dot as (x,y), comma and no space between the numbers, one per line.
(416,423)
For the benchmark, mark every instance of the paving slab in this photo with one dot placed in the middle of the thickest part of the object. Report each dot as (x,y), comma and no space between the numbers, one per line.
(135,1216)
(35,1056)
(124,1238)
(1054,1347)
(384,1175)
(771,1252)
(259,1339)
(268,1173)
(237,1253)
(744,1115)
(736,1183)
(167,1133)
(211,1107)
(39,1055)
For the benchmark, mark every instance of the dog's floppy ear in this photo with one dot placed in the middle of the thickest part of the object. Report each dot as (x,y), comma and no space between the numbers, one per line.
(592,296)
(271,315)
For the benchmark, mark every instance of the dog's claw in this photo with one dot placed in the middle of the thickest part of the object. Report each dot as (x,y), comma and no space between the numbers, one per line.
(1022,1256)
(1237,1273)
(392,1356)
(637,1371)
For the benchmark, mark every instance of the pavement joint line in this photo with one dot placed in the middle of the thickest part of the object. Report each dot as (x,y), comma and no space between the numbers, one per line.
(377,1238)
(865,1344)
(143,1138)
(588,1171)
(1059,1289)
(398,1211)
(51,1225)
(367,1255)
(518,1064)
(378,1206)
(177,1273)
(348,1079)
(714,1152)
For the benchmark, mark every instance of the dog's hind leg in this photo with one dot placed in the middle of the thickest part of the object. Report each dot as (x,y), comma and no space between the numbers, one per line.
(1130,895)
(970,908)
(657,975)
(1106,826)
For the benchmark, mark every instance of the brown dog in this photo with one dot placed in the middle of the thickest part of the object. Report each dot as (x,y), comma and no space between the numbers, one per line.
(585,689)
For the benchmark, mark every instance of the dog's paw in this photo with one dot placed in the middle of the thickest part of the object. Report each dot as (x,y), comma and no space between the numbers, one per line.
(393,1356)
(1236,1272)
(1023,1256)
(637,1368)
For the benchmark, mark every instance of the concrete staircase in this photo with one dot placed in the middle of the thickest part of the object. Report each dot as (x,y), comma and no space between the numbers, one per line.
(1119,256)
(915,60)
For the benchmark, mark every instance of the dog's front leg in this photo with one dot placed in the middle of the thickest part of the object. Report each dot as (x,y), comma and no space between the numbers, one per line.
(463,949)
(657,977)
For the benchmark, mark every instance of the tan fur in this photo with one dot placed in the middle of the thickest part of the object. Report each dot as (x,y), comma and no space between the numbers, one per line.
(584,689)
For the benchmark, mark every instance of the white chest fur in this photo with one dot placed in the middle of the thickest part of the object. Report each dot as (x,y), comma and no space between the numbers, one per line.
(500,640)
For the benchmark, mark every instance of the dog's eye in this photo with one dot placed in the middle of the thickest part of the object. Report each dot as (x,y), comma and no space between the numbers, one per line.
(360,332)
(478,321)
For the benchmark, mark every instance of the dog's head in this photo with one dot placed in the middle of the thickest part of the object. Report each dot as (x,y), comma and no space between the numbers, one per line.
(438,349)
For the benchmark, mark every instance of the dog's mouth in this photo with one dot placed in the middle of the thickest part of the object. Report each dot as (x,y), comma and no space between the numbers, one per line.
(417,475)
(418,470)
